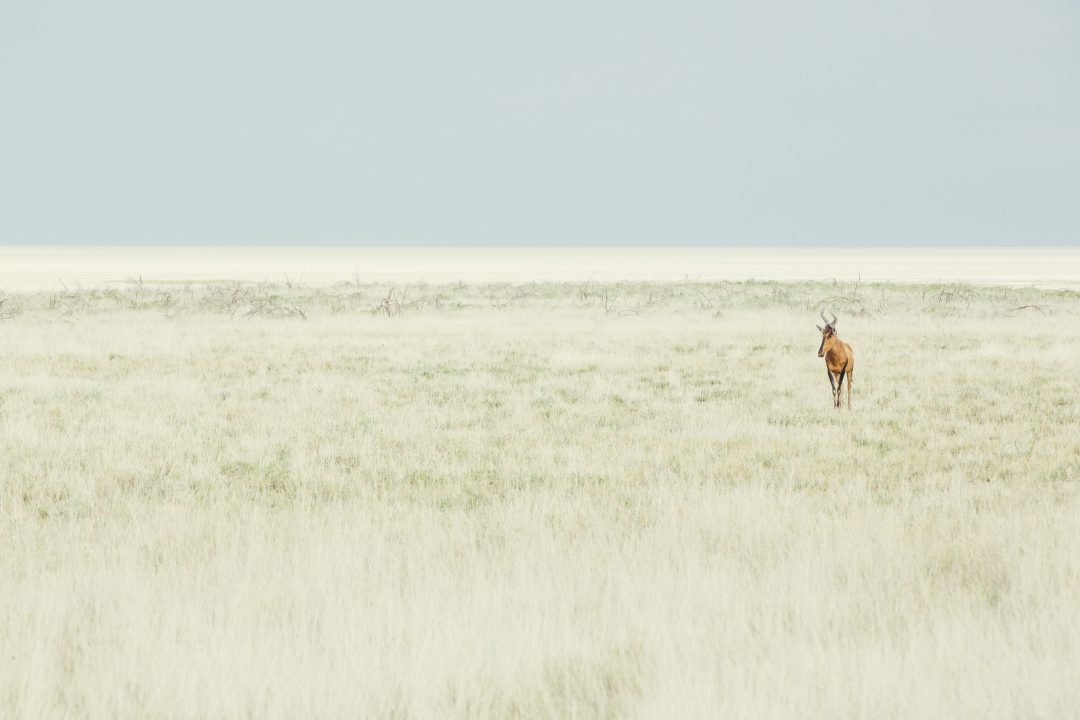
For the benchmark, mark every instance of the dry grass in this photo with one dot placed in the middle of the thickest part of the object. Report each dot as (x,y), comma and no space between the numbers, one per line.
(570,500)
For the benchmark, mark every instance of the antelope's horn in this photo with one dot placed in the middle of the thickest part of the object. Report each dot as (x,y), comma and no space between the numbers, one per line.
(823,318)
(833,317)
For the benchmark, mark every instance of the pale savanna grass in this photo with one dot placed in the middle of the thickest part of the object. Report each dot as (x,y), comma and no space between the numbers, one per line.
(538,501)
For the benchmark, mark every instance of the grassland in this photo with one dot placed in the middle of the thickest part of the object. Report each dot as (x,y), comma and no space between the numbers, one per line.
(546,500)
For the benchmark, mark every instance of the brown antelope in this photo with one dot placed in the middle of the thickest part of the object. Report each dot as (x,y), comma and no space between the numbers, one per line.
(839,359)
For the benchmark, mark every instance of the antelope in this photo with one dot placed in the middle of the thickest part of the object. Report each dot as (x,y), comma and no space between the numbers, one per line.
(839,359)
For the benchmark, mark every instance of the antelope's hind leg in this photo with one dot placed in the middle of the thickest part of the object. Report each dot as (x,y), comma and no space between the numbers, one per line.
(850,379)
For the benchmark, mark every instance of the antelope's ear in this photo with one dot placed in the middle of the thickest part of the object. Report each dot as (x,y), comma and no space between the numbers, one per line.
(819,328)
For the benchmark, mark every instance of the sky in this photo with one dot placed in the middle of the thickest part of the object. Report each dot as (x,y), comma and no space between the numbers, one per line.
(553,123)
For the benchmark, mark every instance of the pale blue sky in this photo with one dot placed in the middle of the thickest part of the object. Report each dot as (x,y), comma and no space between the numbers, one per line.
(562,122)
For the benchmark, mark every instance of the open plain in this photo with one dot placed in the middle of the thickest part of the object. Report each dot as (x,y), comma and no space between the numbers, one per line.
(560,499)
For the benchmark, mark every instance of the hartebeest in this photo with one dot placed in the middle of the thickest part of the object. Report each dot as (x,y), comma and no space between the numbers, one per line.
(839,359)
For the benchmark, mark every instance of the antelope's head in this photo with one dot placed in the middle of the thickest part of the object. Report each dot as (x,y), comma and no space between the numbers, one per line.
(828,334)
